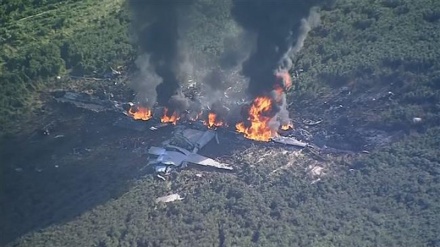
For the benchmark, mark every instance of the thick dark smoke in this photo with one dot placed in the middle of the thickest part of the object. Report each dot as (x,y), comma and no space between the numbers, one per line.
(155,23)
(199,44)
(277,25)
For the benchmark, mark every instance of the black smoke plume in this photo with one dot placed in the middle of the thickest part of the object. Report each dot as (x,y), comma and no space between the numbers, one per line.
(155,23)
(277,26)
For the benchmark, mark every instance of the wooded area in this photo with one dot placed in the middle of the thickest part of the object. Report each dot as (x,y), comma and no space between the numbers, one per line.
(44,39)
(388,197)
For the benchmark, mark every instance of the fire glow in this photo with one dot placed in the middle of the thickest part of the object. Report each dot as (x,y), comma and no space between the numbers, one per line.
(213,121)
(262,121)
(285,77)
(140,113)
(169,118)
(259,125)
(258,120)
(287,126)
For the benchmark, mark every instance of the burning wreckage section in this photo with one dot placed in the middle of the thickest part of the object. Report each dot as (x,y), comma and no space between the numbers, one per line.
(198,119)
(194,130)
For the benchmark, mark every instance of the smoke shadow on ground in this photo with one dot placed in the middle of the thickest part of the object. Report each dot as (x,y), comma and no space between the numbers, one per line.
(84,162)
(50,179)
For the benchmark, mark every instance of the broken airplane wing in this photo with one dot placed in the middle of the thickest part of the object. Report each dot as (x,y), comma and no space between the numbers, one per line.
(289,141)
(198,159)
(179,156)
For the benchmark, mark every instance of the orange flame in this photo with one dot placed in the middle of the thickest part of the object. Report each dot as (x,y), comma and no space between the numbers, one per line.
(285,77)
(213,122)
(166,118)
(258,118)
(140,113)
(287,126)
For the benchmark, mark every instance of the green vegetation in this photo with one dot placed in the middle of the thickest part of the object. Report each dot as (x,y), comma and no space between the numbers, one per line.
(383,44)
(389,197)
(43,39)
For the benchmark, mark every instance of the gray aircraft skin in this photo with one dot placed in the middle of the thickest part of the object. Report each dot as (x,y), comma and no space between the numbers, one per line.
(174,152)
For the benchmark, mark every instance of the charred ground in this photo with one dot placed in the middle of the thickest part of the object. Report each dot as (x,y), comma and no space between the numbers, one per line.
(366,72)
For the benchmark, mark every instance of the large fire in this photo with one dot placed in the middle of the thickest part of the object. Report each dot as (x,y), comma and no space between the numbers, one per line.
(259,124)
(261,116)
(259,119)
(213,121)
(140,113)
(169,118)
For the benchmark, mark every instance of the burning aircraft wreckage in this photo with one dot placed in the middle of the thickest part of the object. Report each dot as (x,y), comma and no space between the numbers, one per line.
(162,100)
(260,121)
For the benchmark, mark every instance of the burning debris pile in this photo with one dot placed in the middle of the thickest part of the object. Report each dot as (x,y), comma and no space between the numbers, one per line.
(279,29)
(162,98)
(169,117)
(140,113)
(214,121)
(260,113)
(267,113)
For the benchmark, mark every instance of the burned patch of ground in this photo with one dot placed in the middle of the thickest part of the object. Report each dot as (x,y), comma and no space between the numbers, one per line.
(350,119)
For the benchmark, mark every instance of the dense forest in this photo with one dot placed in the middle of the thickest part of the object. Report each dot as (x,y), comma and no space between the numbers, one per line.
(385,45)
(388,196)
(44,39)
